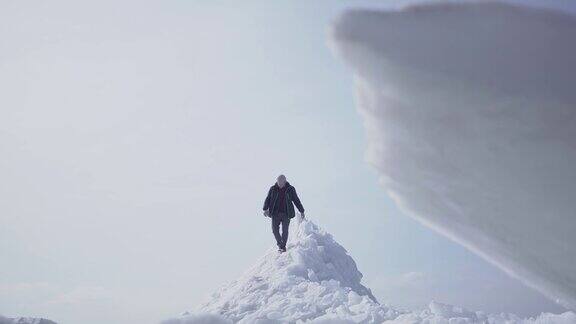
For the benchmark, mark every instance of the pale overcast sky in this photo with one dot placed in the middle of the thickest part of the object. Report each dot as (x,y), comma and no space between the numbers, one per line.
(138,140)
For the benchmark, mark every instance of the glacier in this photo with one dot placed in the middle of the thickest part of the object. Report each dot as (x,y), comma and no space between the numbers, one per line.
(317,281)
(470,114)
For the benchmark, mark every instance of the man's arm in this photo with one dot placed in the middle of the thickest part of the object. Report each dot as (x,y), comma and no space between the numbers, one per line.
(267,201)
(297,202)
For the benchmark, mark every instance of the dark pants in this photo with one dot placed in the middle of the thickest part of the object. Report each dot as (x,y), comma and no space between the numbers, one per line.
(277,219)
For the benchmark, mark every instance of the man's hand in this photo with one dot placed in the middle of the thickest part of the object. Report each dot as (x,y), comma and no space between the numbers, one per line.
(267,213)
(302,215)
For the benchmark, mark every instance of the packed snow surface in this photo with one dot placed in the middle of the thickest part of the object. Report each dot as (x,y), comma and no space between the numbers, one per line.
(316,281)
(470,111)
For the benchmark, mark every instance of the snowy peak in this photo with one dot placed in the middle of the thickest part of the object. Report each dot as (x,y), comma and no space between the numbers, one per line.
(314,279)
(317,281)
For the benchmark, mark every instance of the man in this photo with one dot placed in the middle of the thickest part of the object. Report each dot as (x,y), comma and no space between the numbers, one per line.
(278,206)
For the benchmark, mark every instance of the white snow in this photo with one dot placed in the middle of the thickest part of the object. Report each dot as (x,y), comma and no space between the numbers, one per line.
(470,111)
(316,281)
(443,313)
(24,320)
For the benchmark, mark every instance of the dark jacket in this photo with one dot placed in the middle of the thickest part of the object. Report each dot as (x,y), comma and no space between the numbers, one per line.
(271,202)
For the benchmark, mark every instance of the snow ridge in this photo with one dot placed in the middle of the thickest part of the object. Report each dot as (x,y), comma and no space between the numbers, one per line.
(317,281)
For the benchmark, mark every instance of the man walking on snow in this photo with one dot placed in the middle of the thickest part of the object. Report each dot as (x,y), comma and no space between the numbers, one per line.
(278,206)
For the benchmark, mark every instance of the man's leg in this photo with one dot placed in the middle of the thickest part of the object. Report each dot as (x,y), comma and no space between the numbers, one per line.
(285,225)
(276,229)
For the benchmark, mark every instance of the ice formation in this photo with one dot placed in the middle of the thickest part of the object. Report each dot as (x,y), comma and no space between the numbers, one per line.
(316,281)
(470,111)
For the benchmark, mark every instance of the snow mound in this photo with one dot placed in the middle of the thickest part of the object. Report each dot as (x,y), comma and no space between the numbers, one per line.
(444,313)
(198,318)
(24,320)
(470,111)
(316,281)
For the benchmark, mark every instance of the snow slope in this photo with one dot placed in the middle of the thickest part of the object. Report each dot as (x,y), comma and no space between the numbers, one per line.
(317,281)
(470,111)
